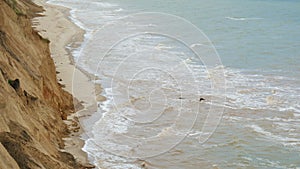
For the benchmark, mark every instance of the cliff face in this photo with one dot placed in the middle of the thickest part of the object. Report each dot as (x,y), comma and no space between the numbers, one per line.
(32,103)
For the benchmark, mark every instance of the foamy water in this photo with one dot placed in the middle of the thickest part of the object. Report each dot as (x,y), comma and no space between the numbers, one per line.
(152,117)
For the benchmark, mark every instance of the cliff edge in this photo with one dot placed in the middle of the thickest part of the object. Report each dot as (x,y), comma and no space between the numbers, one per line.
(32,102)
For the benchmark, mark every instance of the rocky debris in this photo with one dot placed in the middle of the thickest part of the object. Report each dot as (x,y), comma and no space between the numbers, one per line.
(88,166)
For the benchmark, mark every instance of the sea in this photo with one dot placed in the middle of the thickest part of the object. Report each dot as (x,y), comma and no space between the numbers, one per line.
(191,84)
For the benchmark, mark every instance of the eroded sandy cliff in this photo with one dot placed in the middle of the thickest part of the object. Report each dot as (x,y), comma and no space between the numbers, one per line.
(32,103)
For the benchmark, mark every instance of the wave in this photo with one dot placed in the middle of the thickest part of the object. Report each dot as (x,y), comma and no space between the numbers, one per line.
(251,90)
(241,18)
(286,141)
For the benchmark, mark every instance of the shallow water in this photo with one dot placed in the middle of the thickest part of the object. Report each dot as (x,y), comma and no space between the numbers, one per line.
(153,81)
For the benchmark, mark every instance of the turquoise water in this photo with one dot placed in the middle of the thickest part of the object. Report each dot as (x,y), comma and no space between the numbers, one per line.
(251,34)
(145,84)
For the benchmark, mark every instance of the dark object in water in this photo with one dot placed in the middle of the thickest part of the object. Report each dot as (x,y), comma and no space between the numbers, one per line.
(201,99)
(180,98)
(14,83)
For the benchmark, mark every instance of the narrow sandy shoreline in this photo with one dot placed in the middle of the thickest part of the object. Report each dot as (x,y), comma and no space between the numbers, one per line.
(56,26)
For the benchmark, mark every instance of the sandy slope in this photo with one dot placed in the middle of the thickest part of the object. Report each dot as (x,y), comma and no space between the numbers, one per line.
(34,108)
(56,26)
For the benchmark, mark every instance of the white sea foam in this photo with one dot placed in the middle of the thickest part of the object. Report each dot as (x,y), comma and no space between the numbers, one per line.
(242,18)
(286,141)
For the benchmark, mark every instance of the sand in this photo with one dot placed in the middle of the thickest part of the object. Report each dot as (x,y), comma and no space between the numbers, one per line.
(56,26)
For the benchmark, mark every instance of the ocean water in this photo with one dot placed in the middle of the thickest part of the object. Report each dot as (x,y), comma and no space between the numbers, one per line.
(156,59)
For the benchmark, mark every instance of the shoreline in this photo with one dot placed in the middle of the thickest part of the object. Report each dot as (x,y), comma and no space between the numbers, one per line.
(55,25)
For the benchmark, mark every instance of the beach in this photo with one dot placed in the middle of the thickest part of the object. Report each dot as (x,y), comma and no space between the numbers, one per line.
(56,26)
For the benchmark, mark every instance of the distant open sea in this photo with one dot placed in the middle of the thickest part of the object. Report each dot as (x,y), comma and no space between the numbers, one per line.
(138,126)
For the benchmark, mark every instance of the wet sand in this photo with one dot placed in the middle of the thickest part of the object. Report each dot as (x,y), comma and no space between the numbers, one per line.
(56,26)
